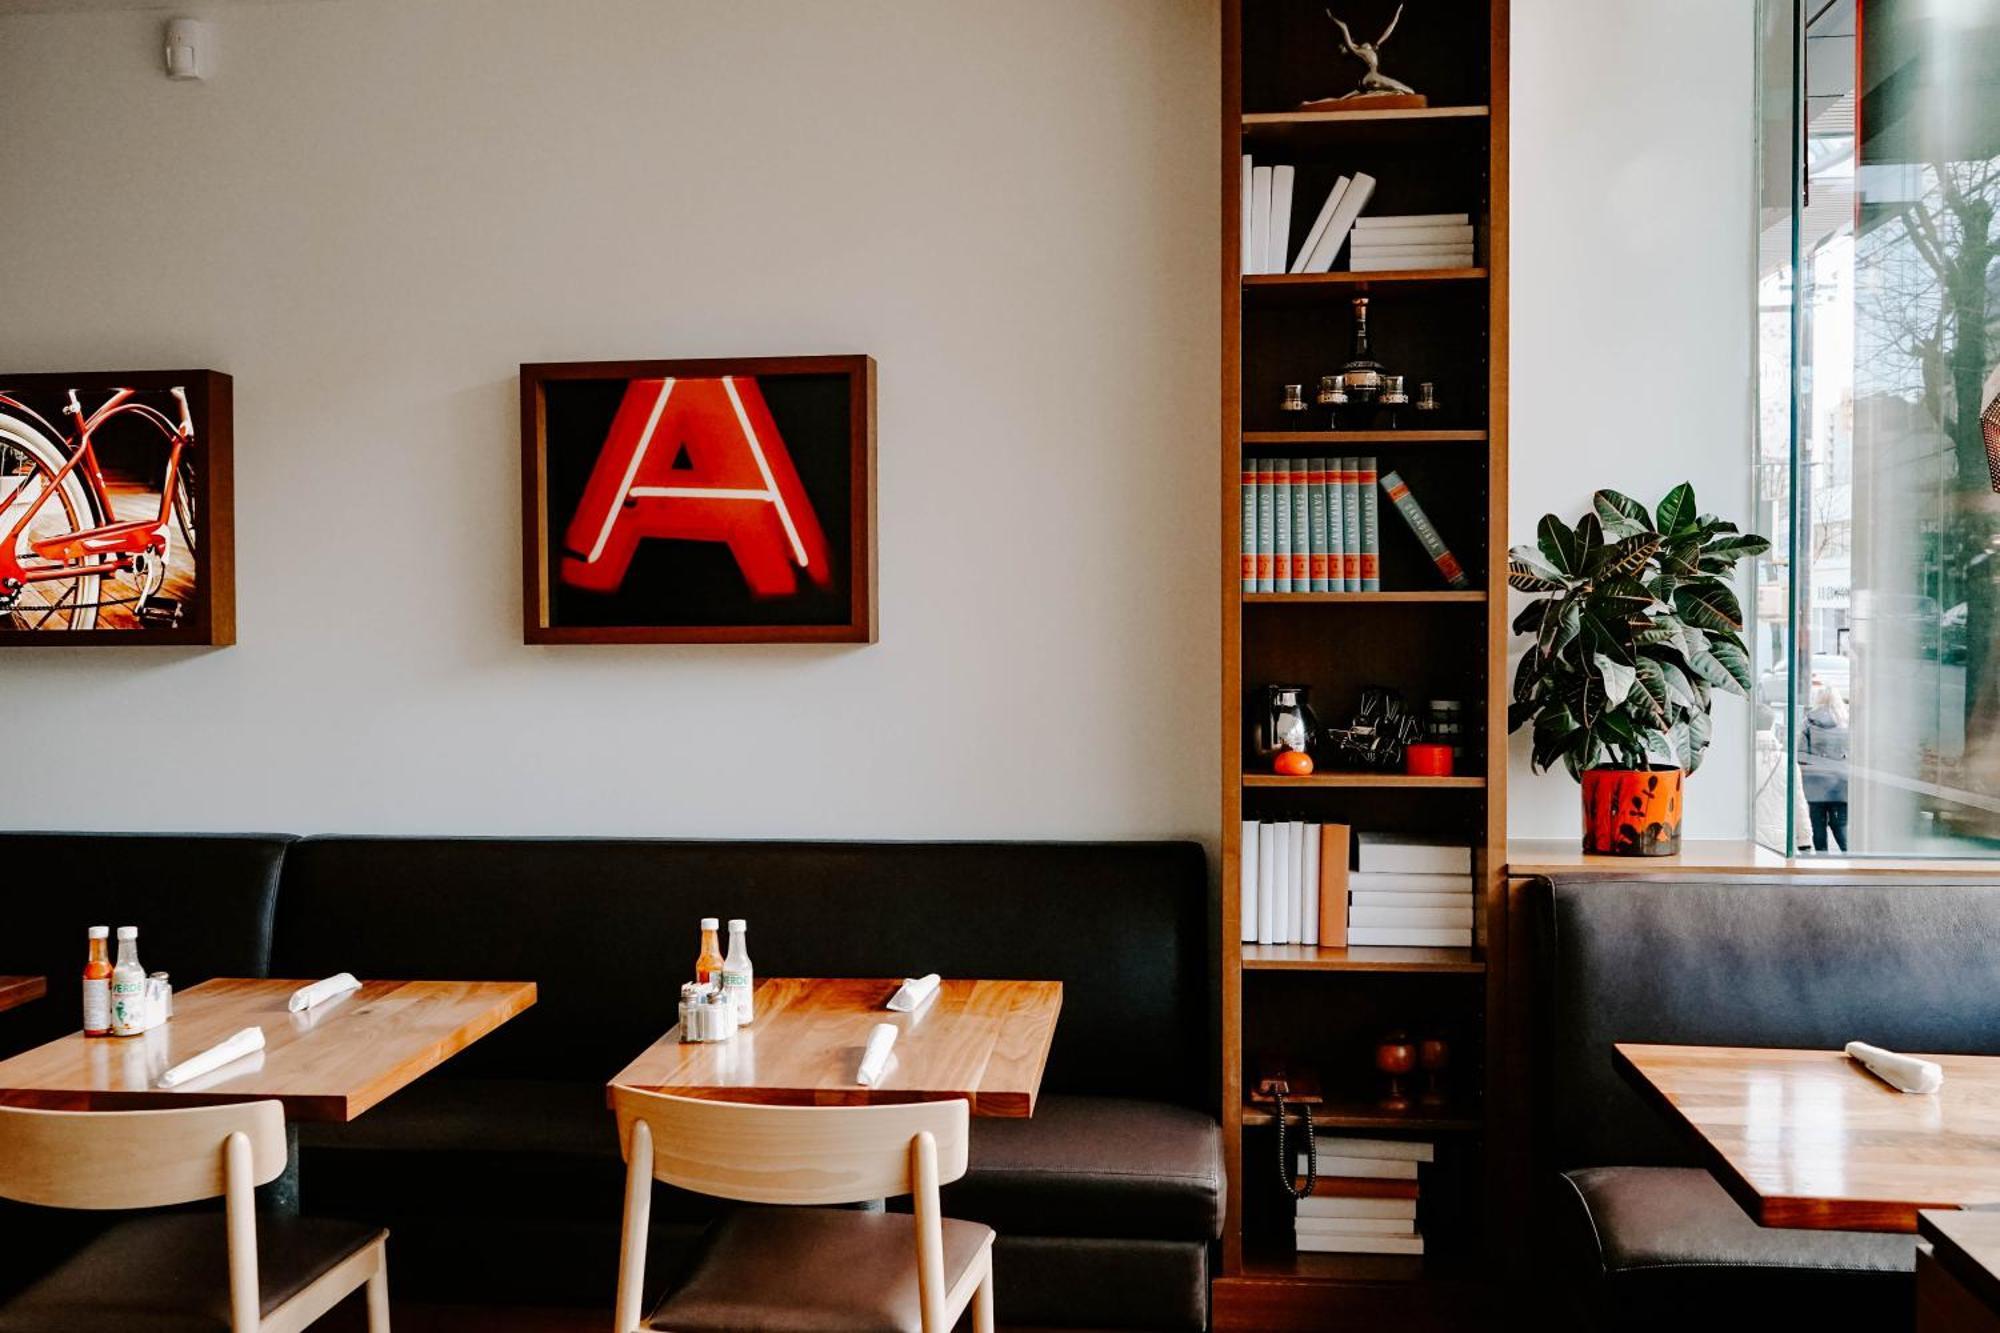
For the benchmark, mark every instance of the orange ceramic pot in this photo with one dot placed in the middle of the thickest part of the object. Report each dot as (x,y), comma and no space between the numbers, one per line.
(1632,812)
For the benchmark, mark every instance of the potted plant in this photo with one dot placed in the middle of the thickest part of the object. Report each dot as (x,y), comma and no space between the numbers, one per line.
(1635,626)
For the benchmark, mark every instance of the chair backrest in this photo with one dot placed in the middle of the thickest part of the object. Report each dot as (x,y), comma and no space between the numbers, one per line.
(809,1155)
(133,1159)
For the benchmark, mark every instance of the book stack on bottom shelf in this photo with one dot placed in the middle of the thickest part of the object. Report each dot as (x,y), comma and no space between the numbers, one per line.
(1412,893)
(1365,1201)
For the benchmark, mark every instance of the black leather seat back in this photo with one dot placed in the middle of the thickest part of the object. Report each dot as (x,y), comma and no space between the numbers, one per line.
(203,906)
(608,931)
(1744,962)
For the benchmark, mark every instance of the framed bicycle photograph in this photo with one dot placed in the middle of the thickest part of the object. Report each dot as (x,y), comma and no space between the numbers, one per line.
(719,500)
(115,508)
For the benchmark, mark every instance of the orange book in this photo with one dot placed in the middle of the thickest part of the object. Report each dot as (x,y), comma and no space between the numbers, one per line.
(1357,1187)
(1333,843)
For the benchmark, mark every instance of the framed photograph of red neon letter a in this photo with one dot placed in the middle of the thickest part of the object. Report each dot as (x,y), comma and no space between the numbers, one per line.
(723,500)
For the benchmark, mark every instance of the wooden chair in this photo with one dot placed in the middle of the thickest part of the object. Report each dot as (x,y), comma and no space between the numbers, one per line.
(242,1272)
(805,1267)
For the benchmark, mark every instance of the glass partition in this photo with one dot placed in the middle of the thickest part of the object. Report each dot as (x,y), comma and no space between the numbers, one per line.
(1878,427)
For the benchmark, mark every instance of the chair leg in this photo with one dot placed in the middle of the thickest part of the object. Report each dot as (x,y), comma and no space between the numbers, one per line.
(982,1300)
(378,1295)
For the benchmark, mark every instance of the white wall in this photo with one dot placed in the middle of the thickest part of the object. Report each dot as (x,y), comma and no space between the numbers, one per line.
(378,208)
(1633,138)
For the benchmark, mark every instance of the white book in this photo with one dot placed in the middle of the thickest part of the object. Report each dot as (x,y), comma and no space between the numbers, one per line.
(1390,221)
(1298,902)
(1443,918)
(1371,898)
(1362,1168)
(1281,911)
(1326,211)
(1309,903)
(1327,249)
(1361,252)
(1246,882)
(1394,260)
(1260,220)
(1316,1242)
(1405,855)
(1340,1205)
(1416,234)
(1244,264)
(1409,937)
(1353,1226)
(1404,881)
(1402,1150)
(1280,243)
(1267,883)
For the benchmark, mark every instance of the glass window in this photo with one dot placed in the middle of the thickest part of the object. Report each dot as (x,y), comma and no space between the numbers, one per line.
(1878,335)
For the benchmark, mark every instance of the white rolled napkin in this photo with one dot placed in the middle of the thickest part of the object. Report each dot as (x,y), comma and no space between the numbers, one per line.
(1904,1072)
(913,992)
(875,1059)
(247,1042)
(305,997)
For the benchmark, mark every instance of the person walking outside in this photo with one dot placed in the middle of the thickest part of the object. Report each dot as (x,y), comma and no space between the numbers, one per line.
(1823,765)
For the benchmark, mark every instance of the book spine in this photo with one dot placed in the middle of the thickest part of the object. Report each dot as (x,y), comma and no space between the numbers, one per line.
(1317,535)
(1246,883)
(1281,219)
(1246,258)
(1336,527)
(1313,1242)
(1333,843)
(1402,1150)
(1326,212)
(1266,526)
(1410,937)
(1309,902)
(1260,220)
(1375,898)
(1281,911)
(1393,221)
(1320,1205)
(1392,261)
(1302,547)
(1249,488)
(1267,882)
(1350,506)
(1371,529)
(1295,900)
(1281,507)
(1457,917)
(1356,197)
(1420,523)
(1434,233)
(1377,1168)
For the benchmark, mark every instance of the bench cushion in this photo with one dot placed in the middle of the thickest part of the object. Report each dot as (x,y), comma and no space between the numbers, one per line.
(1095,1166)
(1643,1241)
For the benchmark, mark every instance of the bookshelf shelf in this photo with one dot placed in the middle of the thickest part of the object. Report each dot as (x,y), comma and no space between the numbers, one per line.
(1447,326)
(1363,958)
(1357,598)
(1385,781)
(1335,438)
(1357,1113)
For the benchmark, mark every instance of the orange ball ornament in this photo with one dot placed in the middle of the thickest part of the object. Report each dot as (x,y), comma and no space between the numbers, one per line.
(1293,763)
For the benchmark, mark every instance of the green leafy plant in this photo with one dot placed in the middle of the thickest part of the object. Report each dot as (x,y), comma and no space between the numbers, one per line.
(1637,625)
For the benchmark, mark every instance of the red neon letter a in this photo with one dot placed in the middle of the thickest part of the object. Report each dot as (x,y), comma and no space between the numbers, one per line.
(739,487)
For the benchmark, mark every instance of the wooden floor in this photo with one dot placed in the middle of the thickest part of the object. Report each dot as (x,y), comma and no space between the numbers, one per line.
(129,501)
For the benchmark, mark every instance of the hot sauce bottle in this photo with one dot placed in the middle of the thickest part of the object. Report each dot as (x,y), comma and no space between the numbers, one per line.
(708,963)
(97,984)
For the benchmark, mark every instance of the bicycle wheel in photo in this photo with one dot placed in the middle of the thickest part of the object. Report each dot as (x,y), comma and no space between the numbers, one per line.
(29,464)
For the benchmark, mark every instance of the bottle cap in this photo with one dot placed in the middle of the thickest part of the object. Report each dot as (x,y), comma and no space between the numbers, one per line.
(100,932)
(128,932)
(738,923)
(708,923)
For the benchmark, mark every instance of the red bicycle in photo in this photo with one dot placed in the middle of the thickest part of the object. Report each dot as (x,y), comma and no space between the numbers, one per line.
(65,551)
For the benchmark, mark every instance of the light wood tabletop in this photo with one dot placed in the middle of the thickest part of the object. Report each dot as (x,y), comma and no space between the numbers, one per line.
(983,1041)
(1811,1139)
(1968,1244)
(330,1063)
(16,991)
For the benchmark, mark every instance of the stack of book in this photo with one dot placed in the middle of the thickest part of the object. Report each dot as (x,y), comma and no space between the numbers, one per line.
(1313,525)
(1366,1199)
(1409,892)
(1421,240)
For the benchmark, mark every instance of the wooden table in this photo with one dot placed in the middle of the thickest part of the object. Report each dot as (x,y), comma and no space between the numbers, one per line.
(983,1041)
(17,991)
(1811,1139)
(1958,1272)
(330,1063)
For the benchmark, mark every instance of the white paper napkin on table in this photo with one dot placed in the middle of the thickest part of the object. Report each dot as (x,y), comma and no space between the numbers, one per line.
(246,1042)
(305,997)
(875,1059)
(913,992)
(1904,1072)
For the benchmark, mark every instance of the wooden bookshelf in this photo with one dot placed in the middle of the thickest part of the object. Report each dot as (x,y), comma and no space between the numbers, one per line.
(1321,1006)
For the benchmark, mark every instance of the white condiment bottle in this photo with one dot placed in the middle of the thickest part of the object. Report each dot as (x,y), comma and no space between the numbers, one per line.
(128,987)
(739,979)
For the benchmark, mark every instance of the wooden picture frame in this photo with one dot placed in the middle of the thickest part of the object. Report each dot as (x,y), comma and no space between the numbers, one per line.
(117,508)
(708,500)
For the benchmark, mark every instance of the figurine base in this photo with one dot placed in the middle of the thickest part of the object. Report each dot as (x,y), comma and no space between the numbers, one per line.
(1369,102)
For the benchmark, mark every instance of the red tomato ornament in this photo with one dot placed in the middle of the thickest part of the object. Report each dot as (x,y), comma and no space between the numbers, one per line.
(1293,763)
